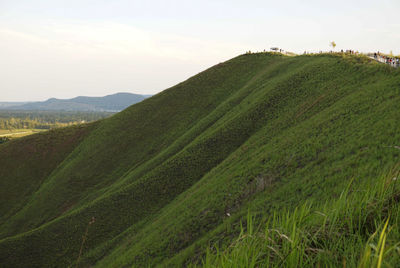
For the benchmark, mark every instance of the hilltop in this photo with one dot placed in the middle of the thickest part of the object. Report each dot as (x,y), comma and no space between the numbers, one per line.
(168,178)
(110,103)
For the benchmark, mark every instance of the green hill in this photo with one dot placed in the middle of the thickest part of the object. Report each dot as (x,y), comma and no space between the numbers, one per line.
(161,181)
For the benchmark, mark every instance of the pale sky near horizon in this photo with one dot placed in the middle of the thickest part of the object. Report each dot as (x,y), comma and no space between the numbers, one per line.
(62,49)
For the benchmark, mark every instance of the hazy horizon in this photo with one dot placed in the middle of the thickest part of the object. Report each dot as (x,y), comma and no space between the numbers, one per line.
(64,49)
(42,100)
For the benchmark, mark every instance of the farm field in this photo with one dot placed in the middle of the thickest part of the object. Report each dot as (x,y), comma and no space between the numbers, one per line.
(17,133)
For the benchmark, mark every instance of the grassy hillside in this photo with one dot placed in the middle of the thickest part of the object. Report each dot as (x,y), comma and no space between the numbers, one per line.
(358,229)
(27,162)
(159,182)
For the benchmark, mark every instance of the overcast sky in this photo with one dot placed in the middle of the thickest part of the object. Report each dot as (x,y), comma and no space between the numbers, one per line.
(63,49)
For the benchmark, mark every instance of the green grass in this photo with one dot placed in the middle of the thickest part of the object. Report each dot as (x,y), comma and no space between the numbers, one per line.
(27,162)
(358,229)
(17,133)
(262,132)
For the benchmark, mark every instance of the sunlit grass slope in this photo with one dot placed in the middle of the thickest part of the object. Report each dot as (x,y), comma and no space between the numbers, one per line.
(357,229)
(163,179)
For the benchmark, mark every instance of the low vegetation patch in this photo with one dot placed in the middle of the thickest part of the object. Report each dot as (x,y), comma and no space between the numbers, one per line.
(358,229)
(4,139)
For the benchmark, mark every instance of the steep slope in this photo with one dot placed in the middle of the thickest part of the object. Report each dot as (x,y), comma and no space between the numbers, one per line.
(160,178)
(113,103)
(27,162)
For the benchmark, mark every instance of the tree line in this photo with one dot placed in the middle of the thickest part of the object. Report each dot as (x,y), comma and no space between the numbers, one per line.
(46,119)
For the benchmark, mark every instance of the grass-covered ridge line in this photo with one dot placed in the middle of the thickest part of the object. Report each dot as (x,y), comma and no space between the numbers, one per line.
(176,172)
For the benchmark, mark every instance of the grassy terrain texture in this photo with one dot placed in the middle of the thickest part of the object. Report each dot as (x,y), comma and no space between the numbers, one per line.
(301,142)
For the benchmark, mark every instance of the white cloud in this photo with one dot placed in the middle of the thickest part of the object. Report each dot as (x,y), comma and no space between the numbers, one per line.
(107,38)
(68,59)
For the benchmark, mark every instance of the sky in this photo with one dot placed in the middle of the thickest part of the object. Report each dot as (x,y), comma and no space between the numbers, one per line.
(63,49)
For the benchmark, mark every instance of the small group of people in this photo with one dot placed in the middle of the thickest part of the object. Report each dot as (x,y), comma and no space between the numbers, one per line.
(392,61)
(341,51)
(276,49)
(349,51)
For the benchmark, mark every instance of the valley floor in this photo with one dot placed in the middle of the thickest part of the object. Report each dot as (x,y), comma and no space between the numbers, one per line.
(17,133)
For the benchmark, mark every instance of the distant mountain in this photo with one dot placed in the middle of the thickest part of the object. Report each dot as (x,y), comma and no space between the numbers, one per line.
(110,103)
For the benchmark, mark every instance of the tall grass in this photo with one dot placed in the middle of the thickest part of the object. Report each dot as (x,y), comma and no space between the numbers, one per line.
(358,229)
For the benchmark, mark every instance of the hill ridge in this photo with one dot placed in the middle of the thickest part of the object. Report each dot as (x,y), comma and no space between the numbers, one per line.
(176,171)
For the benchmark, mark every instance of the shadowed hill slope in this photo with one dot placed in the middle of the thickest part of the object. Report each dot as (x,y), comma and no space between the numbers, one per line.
(27,162)
(160,178)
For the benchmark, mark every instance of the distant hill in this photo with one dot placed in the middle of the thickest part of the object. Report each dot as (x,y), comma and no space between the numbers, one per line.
(110,103)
